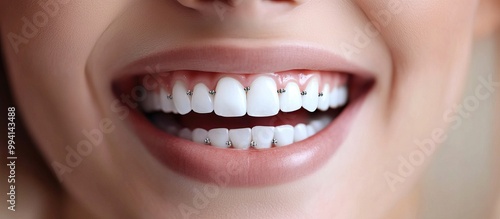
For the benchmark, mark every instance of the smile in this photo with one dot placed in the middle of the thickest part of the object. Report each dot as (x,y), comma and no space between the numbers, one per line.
(275,127)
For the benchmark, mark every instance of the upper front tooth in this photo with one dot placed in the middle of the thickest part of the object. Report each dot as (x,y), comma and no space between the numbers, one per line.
(290,100)
(182,101)
(263,136)
(167,104)
(240,138)
(324,101)
(283,135)
(202,101)
(230,98)
(219,137)
(262,98)
(310,99)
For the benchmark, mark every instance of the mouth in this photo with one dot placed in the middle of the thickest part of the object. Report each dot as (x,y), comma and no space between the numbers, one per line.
(240,128)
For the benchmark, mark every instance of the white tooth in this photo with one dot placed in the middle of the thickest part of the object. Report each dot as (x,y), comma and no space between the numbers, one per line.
(299,132)
(202,101)
(284,135)
(262,98)
(230,98)
(310,131)
(148,104)
(240,138)
(186,134)
(324,101)
(182,101)
(335,97)
(167,104)
(310,100)
(263,136)
(291,100)
(219,137)
(199,135)
(317,125)
(343,93)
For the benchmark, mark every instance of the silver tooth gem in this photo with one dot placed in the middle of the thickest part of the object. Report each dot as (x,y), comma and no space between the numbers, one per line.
(303,93)
(207,141)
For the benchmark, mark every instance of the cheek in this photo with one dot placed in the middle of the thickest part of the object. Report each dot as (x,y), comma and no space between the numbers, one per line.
(47,52)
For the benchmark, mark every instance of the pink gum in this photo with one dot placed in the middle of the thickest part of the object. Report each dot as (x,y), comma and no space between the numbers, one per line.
(191,78)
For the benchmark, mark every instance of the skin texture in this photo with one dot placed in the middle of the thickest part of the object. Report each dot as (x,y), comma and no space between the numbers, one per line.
(419,60)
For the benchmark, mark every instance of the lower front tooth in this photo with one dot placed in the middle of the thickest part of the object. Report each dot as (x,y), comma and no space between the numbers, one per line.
(219,137)
(263,136)
(240,138)
(283,135)
(185,133)
(182,101)
(310,130)
(199,135)
(299,132)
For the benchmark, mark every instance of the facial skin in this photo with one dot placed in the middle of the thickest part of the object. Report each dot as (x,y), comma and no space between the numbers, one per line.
(419,59)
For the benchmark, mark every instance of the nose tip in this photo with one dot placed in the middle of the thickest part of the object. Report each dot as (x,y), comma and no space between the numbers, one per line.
(240,7)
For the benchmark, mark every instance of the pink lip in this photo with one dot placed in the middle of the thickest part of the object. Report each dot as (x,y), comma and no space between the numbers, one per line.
(247,167)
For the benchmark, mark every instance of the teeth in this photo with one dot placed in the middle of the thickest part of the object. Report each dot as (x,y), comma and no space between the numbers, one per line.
(186,134)
(262,136)
(291,99)
(240,138)
(199,135)
(299,132)
(167,103)
(219,137)
(283,135)
(262,98)
(324,100)
(230,98)
(182,100)
(338,96)
(310,131)
(310,97)
(202,100)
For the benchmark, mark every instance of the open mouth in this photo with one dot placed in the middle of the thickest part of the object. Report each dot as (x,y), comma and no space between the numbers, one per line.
(246,111)
(255,129)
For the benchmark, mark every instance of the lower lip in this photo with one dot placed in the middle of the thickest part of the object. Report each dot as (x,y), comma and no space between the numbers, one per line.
(246,168)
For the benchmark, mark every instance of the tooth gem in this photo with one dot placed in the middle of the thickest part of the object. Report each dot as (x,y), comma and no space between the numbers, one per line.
(320,94)
(275,141)
(207,141)
(246,89)
(253,144)
(189,93)
(280,91)
(212,92)
(229,143)
(170,97)
(303,93)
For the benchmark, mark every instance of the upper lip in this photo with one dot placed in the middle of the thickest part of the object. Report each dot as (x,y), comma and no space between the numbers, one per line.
(244,59)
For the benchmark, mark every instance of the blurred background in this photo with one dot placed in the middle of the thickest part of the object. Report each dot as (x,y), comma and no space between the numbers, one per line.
(463,179)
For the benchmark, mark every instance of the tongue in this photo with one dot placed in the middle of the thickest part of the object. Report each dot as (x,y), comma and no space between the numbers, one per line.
(210,121)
